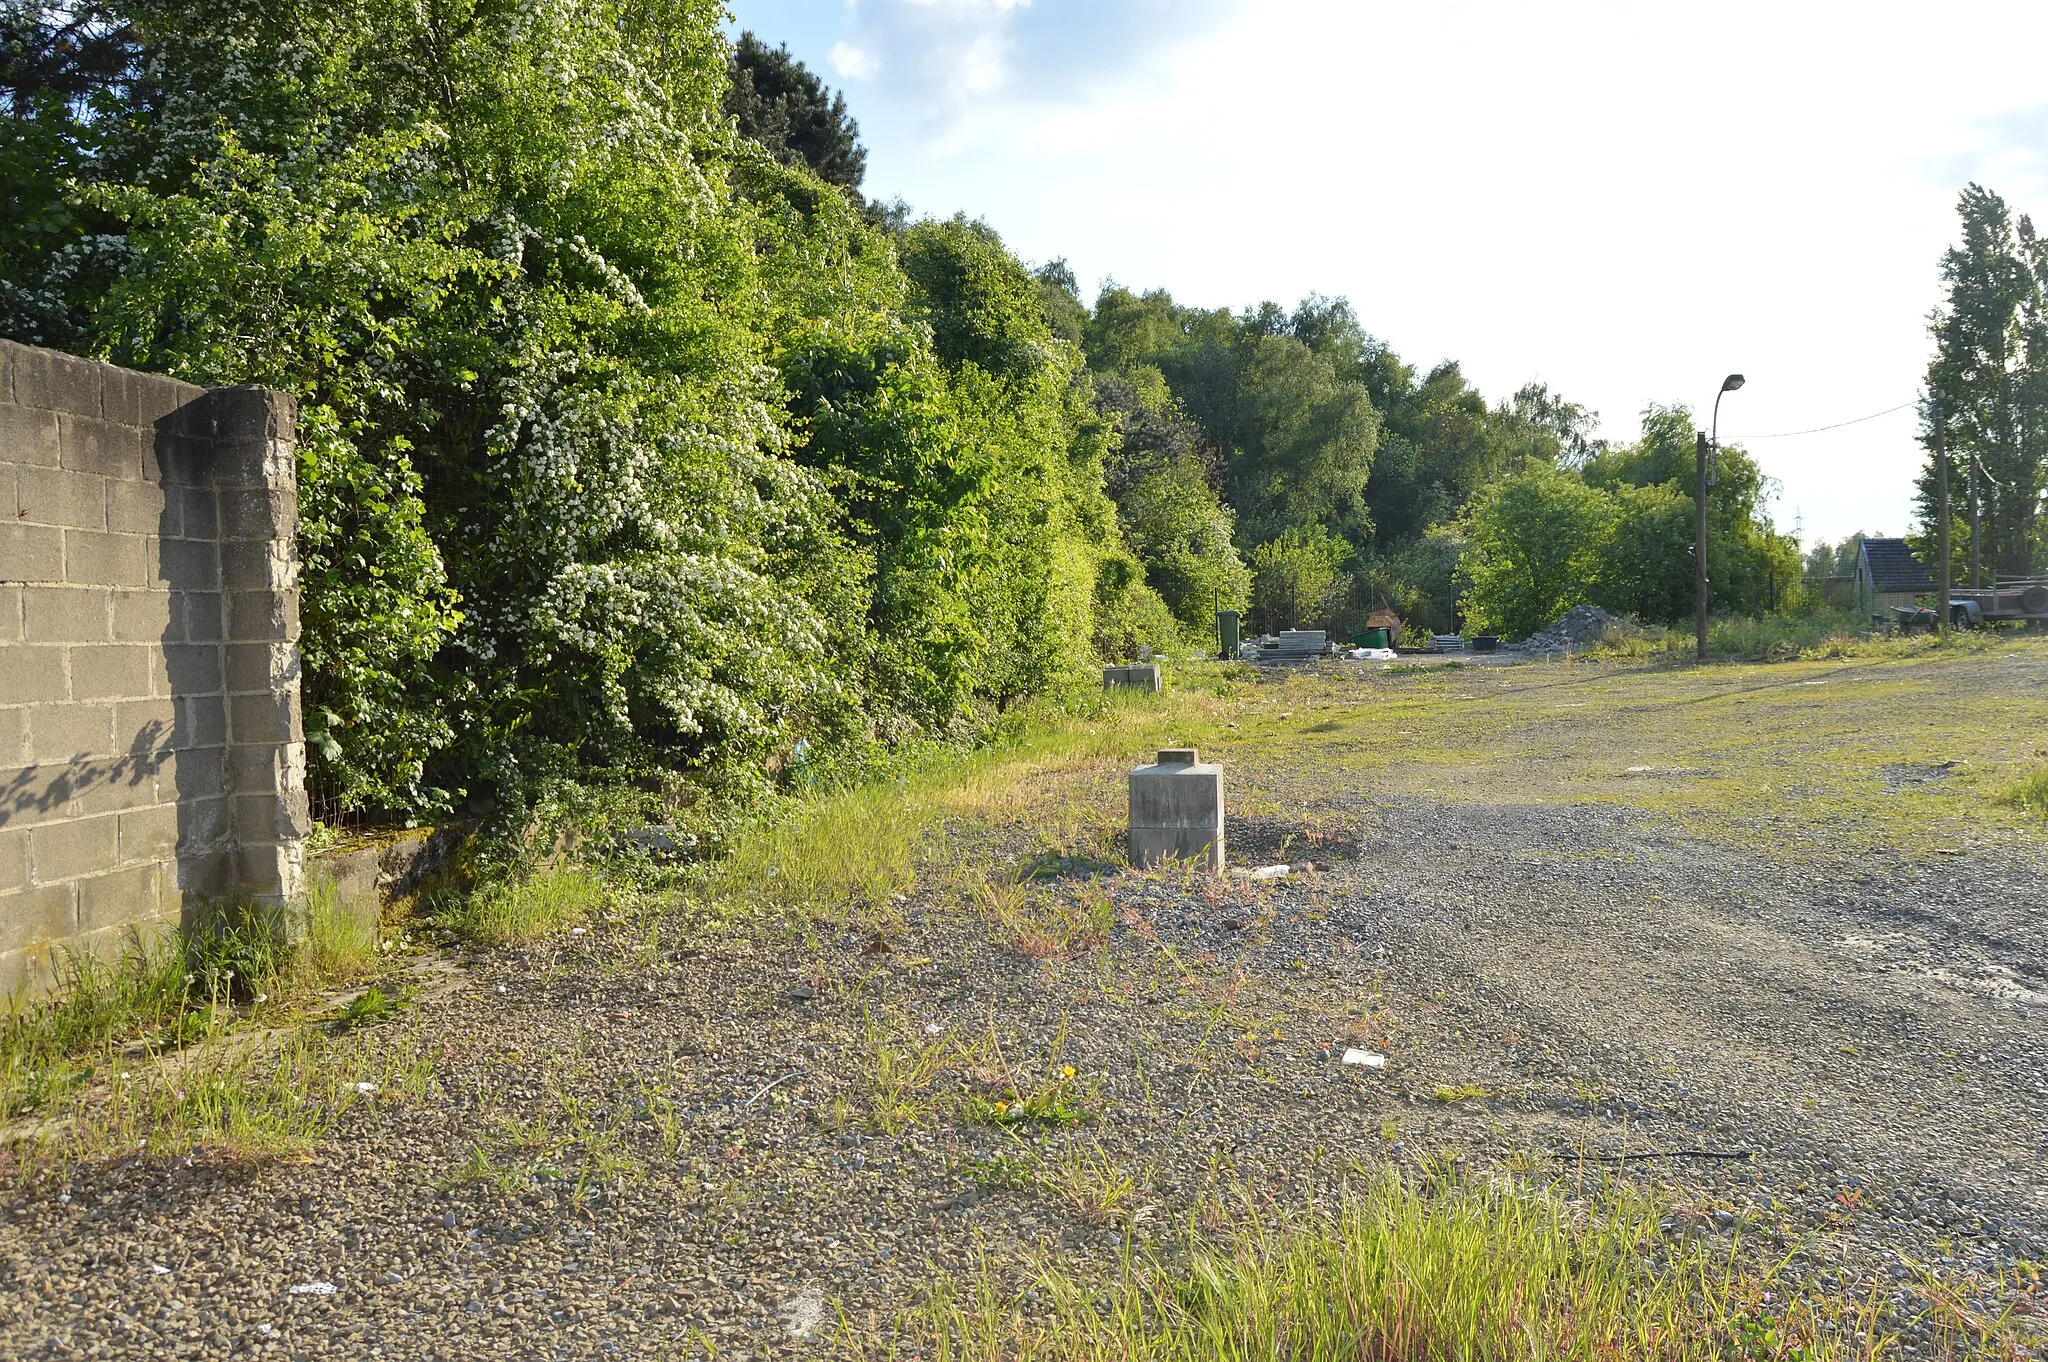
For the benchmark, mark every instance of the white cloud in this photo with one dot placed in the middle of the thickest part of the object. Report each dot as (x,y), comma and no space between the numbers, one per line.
(854,63)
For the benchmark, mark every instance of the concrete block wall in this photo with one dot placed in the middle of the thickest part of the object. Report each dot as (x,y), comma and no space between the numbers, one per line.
(151,755)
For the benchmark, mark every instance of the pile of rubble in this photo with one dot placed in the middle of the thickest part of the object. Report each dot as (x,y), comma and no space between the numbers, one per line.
(1576,630)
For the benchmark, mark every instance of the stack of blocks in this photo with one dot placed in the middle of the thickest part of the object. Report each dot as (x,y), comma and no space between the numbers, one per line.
(151,758)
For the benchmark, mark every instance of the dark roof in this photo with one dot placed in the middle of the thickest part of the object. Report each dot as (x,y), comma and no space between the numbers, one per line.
(1894,568)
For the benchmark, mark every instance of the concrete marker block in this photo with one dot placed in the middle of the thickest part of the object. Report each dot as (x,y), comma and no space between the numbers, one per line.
(1177,810)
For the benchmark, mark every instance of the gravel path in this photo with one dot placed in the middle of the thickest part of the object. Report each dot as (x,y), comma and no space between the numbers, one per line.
(656,1146)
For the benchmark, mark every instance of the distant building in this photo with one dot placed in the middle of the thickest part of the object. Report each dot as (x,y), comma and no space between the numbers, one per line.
(1887,574)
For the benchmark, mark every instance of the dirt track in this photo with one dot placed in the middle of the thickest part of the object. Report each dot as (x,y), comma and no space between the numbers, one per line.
(640,1152)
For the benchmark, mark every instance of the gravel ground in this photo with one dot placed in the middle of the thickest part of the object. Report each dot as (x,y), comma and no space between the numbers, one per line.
(648,1146)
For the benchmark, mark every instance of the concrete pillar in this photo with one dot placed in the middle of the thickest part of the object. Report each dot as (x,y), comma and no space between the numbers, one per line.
(1177,810)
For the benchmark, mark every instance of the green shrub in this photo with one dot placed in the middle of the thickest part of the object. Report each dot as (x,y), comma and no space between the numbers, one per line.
(526,909)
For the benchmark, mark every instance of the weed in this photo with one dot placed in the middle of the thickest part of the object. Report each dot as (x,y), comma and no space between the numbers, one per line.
(368,1008)
(2029,794)
(1492,1270)
(901,1076)
(1463,1092)
(1046,926)
(1051,1103)
(525,910)
(1094,1185)
(340,943)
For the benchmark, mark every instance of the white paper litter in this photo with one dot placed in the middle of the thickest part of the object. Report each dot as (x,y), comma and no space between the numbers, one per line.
(1368,1058)
(312,1289)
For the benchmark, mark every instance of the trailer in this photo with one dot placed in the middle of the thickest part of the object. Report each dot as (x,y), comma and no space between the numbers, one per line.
(2008,600)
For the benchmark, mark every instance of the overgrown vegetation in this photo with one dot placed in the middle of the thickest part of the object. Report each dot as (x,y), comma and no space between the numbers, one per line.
(1477,1269)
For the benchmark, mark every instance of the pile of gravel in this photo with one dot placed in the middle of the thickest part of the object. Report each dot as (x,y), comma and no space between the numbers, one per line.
(1575,630)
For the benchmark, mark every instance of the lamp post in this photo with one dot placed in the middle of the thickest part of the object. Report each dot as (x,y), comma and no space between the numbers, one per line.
(1706,448)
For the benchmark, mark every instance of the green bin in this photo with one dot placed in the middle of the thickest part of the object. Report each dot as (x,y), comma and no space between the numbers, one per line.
(1373,638)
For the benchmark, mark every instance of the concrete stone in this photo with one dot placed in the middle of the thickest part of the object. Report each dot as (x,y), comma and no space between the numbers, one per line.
(30,675)
(1144,676)
(1177,810)
(31,553)
(10,617)
(28,436)
(90,444)
(62,733)
(109,671)
(13,738)
(142,616)
(37,914)
(116,900)
(142,508)
(67,614)
(65,851)
(149,834)
(58,496)
(13,859)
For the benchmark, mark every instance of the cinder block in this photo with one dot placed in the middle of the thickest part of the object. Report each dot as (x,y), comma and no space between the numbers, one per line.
(272,874)
(267,768)
(145,726)
(202,722)
(92,445)
(14,736)
(10,614)
(67,850)
(31,553)
(28,436)
(26,973)
(202,616)
(194,773)
(204,874)
(13,859)
(1177,810)
(53,380)
(1145,678)
(258,564)
(37,915)
(60,496)
(259,514)
(249,419)
(142,508)
(142,616)
(192,668)
(97,558)
(63,733)
(149,834)
(130,785)
(198,515)
(175,459)
(255,667)
(39,793)
(124,898)
(187,564)
(280,817)
(265,719)
(67,614)
(109,671)
(204,824)
(30,675)
(256,616)
(141,400)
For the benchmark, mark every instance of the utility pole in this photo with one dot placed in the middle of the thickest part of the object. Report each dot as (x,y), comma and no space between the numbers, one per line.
(1699,545)
(1976,528)
(1941,462)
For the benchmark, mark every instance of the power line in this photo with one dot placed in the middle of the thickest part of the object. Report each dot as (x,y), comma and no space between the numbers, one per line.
(1788,434)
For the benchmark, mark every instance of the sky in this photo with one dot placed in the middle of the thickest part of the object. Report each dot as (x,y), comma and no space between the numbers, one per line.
(1625,201)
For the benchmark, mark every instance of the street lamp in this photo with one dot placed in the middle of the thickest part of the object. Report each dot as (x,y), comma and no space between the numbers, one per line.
(1706,447)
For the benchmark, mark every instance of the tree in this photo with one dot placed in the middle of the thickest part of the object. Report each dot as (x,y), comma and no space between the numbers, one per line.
(1988,381)
(781,104)
(1535,544)
(1296,581)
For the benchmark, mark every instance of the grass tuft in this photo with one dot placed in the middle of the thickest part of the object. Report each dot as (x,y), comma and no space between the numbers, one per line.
(1484,1271)
(2029,794)
(527,909)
